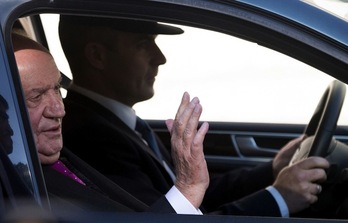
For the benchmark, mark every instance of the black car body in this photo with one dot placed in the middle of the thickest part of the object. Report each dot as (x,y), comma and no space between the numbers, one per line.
(297,29)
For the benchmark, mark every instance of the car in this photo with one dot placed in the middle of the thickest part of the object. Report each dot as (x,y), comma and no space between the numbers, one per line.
(266,71)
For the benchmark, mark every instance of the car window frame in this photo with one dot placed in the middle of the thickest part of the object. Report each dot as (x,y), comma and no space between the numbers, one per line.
(27,132)
(39,192)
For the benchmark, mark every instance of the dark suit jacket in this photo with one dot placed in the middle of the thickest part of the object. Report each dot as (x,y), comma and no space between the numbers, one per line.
(100,193)
(100,138)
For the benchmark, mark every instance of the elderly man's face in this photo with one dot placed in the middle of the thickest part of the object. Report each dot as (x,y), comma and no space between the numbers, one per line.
(40,80)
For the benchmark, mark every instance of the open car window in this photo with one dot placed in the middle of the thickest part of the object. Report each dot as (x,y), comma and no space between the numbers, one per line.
(236,80)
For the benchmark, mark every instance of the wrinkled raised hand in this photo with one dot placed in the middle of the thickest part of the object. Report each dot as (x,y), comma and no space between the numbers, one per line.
(298,183)
(192,177)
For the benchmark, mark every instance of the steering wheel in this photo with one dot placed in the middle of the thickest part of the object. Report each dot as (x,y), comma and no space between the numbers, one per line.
(320,142)
(322,125)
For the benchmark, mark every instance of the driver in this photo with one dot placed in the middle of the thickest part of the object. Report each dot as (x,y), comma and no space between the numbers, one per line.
(114,64)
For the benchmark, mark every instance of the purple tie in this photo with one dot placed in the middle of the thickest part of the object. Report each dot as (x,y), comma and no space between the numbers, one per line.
(61,168)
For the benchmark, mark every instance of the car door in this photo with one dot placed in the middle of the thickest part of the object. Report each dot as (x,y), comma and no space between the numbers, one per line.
(248,139)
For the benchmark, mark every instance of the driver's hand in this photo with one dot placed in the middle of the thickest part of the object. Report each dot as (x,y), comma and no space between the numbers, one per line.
(284,155)
(298,184)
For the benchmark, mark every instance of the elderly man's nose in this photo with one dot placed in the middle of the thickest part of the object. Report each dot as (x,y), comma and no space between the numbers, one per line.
(59,109)
(55,107)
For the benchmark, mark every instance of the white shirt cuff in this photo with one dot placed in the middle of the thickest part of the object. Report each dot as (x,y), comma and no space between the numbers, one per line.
(180,204)
(283,208)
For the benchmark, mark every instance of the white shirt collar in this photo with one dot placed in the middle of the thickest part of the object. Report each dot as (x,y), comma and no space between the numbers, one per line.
(124,112)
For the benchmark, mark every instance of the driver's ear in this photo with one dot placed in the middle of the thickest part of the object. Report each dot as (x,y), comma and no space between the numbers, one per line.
(95,54)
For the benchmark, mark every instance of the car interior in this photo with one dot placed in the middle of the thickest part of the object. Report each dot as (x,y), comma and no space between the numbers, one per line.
(229,144)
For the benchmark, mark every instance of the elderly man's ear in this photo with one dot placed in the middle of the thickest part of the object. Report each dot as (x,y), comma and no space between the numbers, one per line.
(95,54)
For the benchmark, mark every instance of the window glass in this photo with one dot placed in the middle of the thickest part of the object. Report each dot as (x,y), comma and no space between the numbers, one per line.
(236,80)
(11,139)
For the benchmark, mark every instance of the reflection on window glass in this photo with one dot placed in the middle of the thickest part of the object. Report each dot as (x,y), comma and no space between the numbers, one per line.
(6,131)
(11,141)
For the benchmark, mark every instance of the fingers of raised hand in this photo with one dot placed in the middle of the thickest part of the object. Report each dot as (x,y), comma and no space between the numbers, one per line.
(169,124)
(185,123)
(184,101)
(197,144)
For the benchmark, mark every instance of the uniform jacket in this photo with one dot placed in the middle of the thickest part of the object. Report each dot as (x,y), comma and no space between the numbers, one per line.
(100,138)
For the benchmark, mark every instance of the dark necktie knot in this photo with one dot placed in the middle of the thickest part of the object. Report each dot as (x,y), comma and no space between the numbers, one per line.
(142,127)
